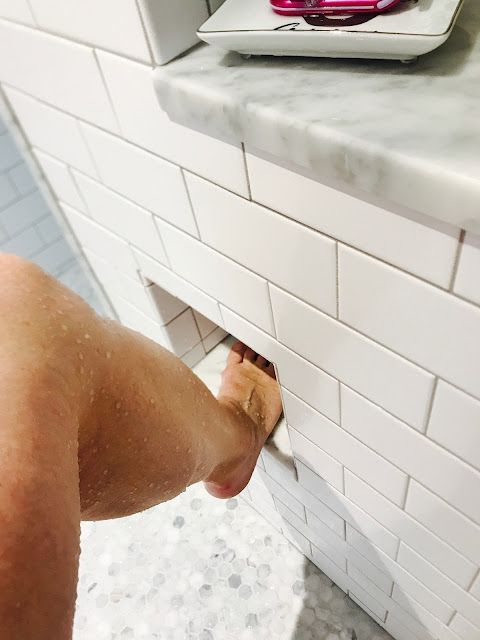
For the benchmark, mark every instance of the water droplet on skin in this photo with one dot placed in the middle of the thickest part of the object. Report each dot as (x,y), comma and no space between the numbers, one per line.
(129,440)
(105,473)
(145,439)
(78,341)
(151,485)
(87,336)
(80,356)
(108,355)
(118,405)
(64,327)
(152,401)
(126,413)
(59,312)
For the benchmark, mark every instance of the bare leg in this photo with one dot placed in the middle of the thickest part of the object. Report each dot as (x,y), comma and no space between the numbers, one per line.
(100,422)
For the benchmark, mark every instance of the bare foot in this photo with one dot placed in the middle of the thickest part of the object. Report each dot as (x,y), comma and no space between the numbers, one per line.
(249,390)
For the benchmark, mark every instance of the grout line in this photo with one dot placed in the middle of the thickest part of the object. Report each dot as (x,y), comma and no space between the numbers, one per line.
(272,315)
(302,224)
(456,262)
(407,488)
(430,406)
(337,277)
(473,581)
(145,33)
(107,91)
(247,174)
(37,28)
(192,208)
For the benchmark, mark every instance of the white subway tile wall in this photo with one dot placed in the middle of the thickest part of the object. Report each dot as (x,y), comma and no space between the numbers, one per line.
(370,313)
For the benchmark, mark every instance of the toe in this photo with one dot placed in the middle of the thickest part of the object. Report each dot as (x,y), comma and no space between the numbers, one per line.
(250,355)
(236,353)
(271,371)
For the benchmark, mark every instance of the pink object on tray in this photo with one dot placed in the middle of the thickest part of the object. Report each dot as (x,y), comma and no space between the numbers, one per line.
(308,7)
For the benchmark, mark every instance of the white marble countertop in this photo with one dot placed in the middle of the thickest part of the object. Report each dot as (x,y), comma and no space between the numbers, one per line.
(409,134)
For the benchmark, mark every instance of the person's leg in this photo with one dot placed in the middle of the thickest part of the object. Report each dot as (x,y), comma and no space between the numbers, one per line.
(100,423)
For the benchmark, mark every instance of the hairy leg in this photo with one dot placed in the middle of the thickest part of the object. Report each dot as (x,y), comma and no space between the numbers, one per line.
(100,423)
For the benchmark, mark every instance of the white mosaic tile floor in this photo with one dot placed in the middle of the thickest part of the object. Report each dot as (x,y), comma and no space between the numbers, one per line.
(197,568)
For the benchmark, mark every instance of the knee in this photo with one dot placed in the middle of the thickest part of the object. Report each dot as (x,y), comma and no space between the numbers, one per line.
(19,281)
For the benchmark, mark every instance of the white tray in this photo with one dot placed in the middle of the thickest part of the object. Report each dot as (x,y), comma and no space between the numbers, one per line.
(414,28)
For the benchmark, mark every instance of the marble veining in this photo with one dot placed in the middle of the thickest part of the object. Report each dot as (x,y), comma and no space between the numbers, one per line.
(197,568)
(409,134)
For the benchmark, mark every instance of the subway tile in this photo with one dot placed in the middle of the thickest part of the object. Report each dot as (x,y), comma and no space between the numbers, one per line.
(121,216)
(475,589)
(429,326)
(22,178)
(436,609)
(464,629)
(299,260)
(449,524)
(7,192)
(449,561)
(348,510)
(134,319)
(212,340)
(24,244)
(167,306)
(61,72)
(323,538)
(49,229)
(418,244)
(182,333)
(443,587)
(467,282)
(220,277)
(387,379)
(316,459)
(416,611)
(19,11)
(169,40)
(425,461)
(110,24)
(60,179)
(194,356)
(122,285)
(401,632)
(379,577)
(259,491)
(278,491)
(131,87)
(454,423)
(24,213)
(9,155)
(142,177)
(344,448)
(101,241)
(331,570)
(375,611)
(52,131)
(278,475)
(447,634)
(297,539)
(178,287)
(205,326)
(54,256)
(313,385)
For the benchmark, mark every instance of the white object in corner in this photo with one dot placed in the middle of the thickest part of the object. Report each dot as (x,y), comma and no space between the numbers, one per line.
(171,25)
(416,27)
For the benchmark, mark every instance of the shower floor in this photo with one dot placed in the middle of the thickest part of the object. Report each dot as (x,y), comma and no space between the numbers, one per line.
(197,568)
